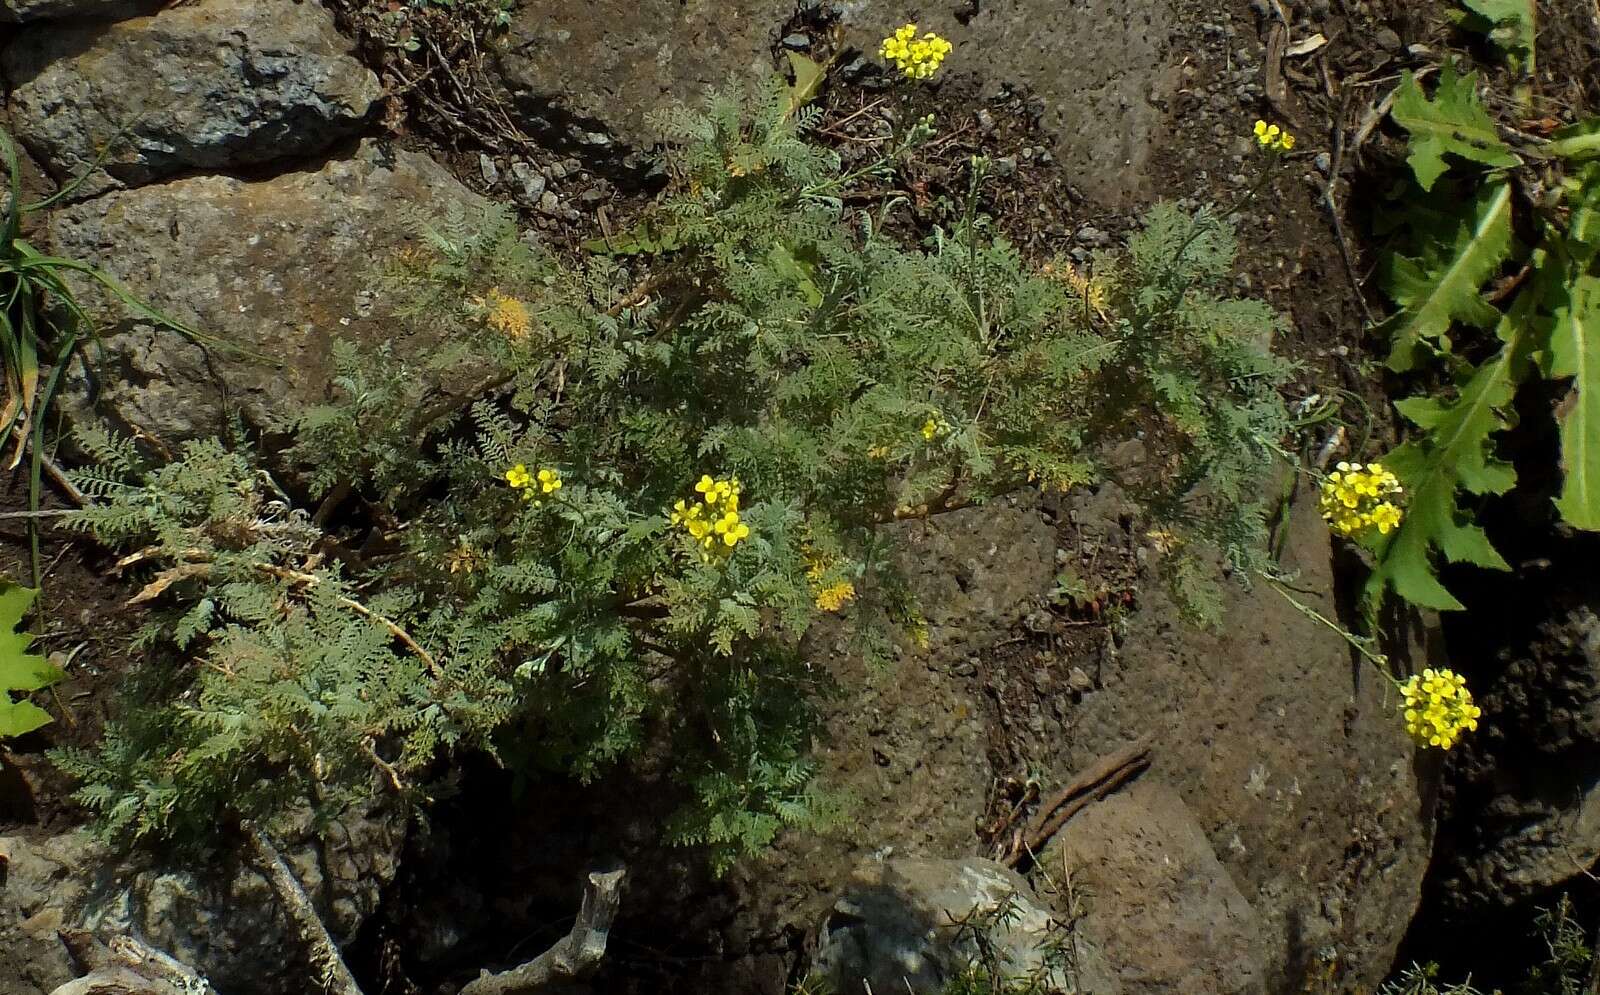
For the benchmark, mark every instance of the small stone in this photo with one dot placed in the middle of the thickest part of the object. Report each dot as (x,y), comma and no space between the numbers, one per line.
(531,179)
(549,203)
(985,121)
(1323,162)
(1388,38)
(556,171)
(796,42)
(1005,165)
(486,166)
(593,195)
(1079,681)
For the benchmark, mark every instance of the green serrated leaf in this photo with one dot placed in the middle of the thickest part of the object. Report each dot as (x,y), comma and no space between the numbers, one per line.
(808,77)
(19,669)
(1453,122)
(1510,24)
(648,236)
(1440,285)
(1576,141)
(1455,454)
(1575,353)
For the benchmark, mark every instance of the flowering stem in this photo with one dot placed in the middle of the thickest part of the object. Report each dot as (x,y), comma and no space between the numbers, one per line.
(1362,646)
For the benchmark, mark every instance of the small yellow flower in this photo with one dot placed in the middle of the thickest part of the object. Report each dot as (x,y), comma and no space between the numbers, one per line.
(518,477)
(549,480)
(835,596)
(1355,499)
(1438,708)
(935,427)
(713,520)
(1273,138)
(878,452)
(506,315)
(916,58)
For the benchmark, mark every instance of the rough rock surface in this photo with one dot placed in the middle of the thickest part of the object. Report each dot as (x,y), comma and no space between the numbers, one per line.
(1166,913)
(911,925)
(210,85)
(1290,756)
(1524,815)
(98,10)
(216,916)
(276,268)
(588,75)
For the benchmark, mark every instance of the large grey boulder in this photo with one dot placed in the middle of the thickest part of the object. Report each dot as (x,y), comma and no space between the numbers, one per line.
(14,11)
(913,925)
(587,76)
(216,84)
(215,915)
(276,269)
(1158,903)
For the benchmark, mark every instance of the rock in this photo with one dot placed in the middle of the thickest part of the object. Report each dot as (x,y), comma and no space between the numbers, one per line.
(278,268)
(549,203)
(1524,814)
(796,42)
(489,171)
(1161,909)
(93,10)
(913,925)
(210,85)
(1293,761)
(214,915)
(533,181)
(602,68)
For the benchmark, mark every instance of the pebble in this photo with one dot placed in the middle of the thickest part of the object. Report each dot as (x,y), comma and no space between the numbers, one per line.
(486,166)
(1079,681)
(1005,165)
(985,121)
(1323,162)
(796,41)
(531,179)
(556,171)
(1388,38)
(549,203)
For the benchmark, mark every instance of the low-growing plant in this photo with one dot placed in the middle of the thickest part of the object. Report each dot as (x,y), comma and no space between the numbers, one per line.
(20,670)
(1496,290)
(607,509)
(42,323)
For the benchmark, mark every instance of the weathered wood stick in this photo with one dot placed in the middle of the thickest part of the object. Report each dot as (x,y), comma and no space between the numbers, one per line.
(574,956)
(1104,777)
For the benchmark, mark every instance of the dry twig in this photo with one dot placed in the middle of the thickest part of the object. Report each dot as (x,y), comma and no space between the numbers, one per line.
(1104,777)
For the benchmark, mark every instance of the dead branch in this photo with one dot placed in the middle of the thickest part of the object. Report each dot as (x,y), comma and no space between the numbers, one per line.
(1104,777)
(201,568)
(575,956)
(324,953)
(126,966)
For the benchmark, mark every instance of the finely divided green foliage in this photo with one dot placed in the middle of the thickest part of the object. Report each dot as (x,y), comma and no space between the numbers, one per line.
(1550,324)
(775,336)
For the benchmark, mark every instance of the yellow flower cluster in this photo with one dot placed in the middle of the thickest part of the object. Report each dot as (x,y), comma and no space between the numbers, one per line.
(918,58)
(547,481)
(1356,498)
(935,427)
(1273,138)
(506,315)
(1438,708)
(830,597)
(713,519)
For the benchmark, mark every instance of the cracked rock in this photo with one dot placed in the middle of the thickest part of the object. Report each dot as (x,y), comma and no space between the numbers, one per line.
(214,85)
